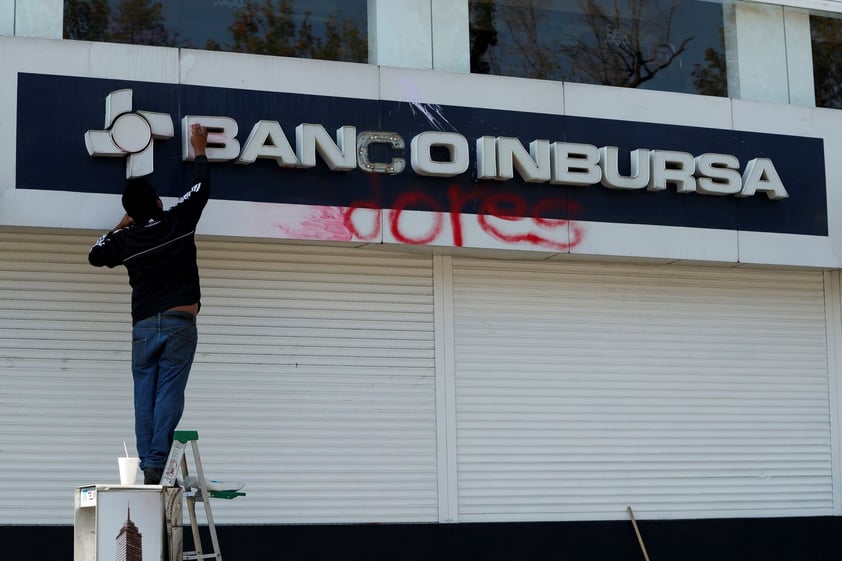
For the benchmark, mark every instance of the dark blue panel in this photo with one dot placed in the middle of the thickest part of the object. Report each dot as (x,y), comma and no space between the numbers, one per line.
(53,114)
(55,111)
(44,124)
(800,163)
(667,207)
(265,181)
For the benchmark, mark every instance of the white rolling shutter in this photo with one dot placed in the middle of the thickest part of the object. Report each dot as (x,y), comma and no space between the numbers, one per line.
(313,382)
(683,392)
(65,397)
(579,388)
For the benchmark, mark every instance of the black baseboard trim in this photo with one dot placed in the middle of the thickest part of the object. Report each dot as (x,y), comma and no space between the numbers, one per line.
(737,539)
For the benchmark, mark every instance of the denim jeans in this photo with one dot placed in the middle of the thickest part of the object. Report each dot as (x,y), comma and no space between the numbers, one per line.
(163,347)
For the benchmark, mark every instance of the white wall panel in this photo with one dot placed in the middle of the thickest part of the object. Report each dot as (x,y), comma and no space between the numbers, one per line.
(313,382)
(400,33)
(781,249)
(820,5)
(39,18)
(427,87)
(451,36)
(640,240)
(756,44)
(278,74)
(586,100)
(683,392)
(7,17)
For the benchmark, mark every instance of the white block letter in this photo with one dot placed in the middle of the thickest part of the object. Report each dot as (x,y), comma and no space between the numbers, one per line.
(611,177)
(366,138)
(267,140)
(423,163)
(760,175)
(222,137)
(575,164)
(672,167)
(718,174)
(339,155)
(486,157)
(533,166)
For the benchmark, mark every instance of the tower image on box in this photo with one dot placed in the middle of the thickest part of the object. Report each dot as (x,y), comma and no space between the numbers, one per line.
(129,541)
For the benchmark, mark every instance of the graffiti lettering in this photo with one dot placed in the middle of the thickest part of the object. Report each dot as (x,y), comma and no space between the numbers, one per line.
(505,217)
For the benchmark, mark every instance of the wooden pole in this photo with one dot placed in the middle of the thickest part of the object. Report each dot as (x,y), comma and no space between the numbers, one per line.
(637,532)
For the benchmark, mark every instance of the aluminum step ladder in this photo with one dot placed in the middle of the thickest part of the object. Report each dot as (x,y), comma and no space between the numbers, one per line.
(177,456)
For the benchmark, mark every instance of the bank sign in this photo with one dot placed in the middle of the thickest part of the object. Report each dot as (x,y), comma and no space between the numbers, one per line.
(367,170)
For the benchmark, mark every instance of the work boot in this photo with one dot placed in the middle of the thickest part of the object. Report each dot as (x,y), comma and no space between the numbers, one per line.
(152,476)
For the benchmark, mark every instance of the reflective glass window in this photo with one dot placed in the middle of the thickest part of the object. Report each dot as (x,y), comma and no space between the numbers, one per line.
(669,45)
(826,35)
(322,29)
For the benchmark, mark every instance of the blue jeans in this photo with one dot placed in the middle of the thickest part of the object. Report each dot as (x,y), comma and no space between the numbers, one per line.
(163,347)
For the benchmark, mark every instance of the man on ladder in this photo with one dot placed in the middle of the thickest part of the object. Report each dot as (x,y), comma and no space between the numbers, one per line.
(158,249)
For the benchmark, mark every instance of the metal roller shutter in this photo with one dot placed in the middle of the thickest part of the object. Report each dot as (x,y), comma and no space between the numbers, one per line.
(684,392)
(313,382)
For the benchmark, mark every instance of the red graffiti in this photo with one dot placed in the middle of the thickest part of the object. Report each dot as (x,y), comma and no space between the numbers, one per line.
(506,217)
(351,224)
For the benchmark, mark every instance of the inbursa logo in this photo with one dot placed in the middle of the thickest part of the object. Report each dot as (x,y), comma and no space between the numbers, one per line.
(129,134)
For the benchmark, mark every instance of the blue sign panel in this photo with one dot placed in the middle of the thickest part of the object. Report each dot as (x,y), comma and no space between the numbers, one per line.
(54,112)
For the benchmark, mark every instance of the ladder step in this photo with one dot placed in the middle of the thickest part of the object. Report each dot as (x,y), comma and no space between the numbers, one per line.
(226,494)
(191,555)
(185,436)
(197,494)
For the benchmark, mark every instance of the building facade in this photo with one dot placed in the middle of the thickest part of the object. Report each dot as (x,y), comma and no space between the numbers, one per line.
(447,313)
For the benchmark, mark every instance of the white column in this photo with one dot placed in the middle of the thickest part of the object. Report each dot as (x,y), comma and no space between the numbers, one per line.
(833,313)
(400,33)
(799,57)
(768,53)
(448,496)
(39,18)
(755,52)
(7,17)
(451,40)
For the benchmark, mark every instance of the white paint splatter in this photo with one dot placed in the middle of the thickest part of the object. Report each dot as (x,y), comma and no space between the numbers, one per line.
(432,111)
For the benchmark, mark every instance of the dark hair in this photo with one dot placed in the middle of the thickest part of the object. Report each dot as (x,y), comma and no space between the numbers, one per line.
(140,200)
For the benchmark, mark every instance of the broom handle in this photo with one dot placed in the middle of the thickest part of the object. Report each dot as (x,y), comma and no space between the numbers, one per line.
(636,531)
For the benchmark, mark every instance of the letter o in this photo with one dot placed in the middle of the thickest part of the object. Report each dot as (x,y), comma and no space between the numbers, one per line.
(423,163)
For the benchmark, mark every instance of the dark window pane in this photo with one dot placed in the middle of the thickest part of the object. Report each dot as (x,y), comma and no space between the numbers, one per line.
(670,45)
(323,29)
(827,60)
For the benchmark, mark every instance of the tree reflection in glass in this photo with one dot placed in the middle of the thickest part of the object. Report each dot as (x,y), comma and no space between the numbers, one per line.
(827,60)
(322,29)
(673,45)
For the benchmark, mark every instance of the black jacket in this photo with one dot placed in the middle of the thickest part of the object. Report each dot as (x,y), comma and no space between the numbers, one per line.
(160,256)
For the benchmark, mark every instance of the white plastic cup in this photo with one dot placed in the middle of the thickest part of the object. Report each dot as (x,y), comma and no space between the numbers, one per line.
(128,469)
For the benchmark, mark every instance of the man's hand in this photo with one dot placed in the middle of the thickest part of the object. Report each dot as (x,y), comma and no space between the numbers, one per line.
(125,221)
(198,138)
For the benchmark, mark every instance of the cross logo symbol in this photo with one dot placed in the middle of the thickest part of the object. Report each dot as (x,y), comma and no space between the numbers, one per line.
(129,133)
